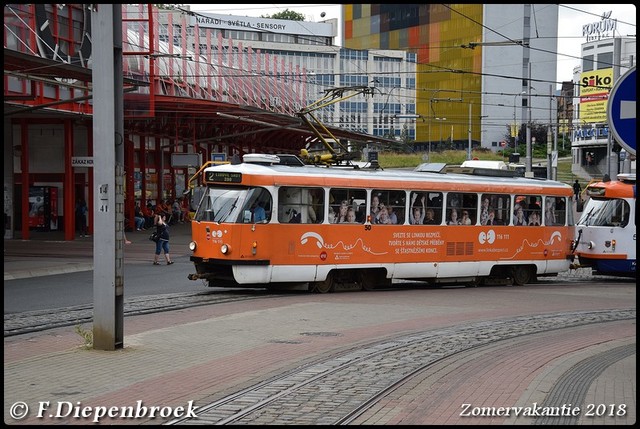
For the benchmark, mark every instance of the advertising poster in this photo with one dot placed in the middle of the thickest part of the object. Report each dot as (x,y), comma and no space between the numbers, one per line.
(595,86)
(37,207)
(53,198)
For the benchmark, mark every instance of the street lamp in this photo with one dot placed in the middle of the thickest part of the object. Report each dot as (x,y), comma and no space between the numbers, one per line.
(433,115)
(441,120)
(407,116)
(515,124)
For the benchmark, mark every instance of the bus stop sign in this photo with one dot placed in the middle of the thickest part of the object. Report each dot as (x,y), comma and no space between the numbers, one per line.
(621,111)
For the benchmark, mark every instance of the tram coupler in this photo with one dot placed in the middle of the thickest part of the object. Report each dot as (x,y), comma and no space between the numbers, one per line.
(194,276)
(576,266)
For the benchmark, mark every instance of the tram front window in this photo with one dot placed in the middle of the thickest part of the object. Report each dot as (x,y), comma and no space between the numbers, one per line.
(605,213)
(221,205)
(235,205)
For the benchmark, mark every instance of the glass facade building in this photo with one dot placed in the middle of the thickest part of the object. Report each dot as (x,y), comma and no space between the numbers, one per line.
(473,63)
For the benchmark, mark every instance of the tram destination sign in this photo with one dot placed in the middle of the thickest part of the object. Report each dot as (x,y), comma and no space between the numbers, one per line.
(621,111)
(222,177)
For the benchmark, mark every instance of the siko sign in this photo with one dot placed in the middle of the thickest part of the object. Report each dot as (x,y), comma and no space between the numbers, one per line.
(622,113)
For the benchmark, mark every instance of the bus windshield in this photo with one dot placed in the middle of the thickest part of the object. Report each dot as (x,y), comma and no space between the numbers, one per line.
(605,212)
(234,205)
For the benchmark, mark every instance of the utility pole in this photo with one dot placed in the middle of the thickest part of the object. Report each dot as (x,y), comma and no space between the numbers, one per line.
(528,156)
(469,132)
(550,135)
(526,62)
(108,206)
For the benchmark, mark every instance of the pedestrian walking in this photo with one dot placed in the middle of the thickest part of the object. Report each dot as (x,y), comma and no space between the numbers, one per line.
(577,189)
(162,229)
(81,216)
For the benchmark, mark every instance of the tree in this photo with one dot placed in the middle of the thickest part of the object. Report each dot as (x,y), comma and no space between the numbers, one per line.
(169,6)
(286,14)
(538,131)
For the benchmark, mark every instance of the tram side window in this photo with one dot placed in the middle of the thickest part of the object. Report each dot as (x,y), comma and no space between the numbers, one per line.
(434,203)
(621,214)
(494,209)
(555,211)
(461,208)
(390,208)
(527,210)
(347,205)
(257,207)
(300,205)
(425,208)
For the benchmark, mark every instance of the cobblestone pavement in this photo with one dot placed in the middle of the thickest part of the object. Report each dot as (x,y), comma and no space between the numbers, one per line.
(203,354)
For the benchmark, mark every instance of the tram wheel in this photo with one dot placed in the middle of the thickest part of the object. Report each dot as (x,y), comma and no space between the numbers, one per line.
(521,275)
(368,280)
(324,286)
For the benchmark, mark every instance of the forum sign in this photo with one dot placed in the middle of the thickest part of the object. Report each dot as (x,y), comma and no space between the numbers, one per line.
(602,29)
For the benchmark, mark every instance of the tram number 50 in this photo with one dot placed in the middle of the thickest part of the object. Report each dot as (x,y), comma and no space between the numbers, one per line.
(367,227)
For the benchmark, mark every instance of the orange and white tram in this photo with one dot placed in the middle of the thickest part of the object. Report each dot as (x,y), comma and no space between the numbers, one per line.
(606,231)
(260,224)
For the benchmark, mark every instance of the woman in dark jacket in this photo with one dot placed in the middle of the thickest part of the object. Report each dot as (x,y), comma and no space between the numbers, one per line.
(162,229)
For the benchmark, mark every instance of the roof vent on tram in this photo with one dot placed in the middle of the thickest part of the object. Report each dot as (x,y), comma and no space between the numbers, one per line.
(261,158)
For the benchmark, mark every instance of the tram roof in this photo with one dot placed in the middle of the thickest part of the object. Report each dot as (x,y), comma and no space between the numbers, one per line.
(624,188)
(396,174)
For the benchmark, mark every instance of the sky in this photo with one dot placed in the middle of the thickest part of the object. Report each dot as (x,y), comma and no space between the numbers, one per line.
(571,19)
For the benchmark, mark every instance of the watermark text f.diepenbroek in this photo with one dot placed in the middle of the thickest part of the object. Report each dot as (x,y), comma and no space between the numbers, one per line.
(65,409)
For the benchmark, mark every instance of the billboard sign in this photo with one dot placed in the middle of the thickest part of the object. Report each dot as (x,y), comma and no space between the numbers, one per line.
(184,160)
(594,95)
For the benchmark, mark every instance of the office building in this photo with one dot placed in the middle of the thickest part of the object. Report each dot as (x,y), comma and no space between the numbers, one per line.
(605,58)
(478,64)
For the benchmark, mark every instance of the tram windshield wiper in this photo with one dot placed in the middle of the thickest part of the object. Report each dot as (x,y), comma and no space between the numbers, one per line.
(232,206)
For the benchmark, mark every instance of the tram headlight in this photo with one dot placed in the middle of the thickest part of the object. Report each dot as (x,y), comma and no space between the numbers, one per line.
(613,245)
(254,247)
(192,246)
(591,245)
(225,249)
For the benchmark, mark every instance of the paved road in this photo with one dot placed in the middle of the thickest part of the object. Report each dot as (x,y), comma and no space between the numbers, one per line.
(207,353)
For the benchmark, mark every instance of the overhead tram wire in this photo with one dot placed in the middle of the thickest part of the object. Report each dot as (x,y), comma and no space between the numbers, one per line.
(440,69)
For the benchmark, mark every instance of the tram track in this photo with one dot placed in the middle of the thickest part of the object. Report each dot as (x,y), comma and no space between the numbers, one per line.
(340,388)
(42,320)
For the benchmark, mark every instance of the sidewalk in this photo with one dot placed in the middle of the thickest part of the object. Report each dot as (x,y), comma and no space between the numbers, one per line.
(47,253)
